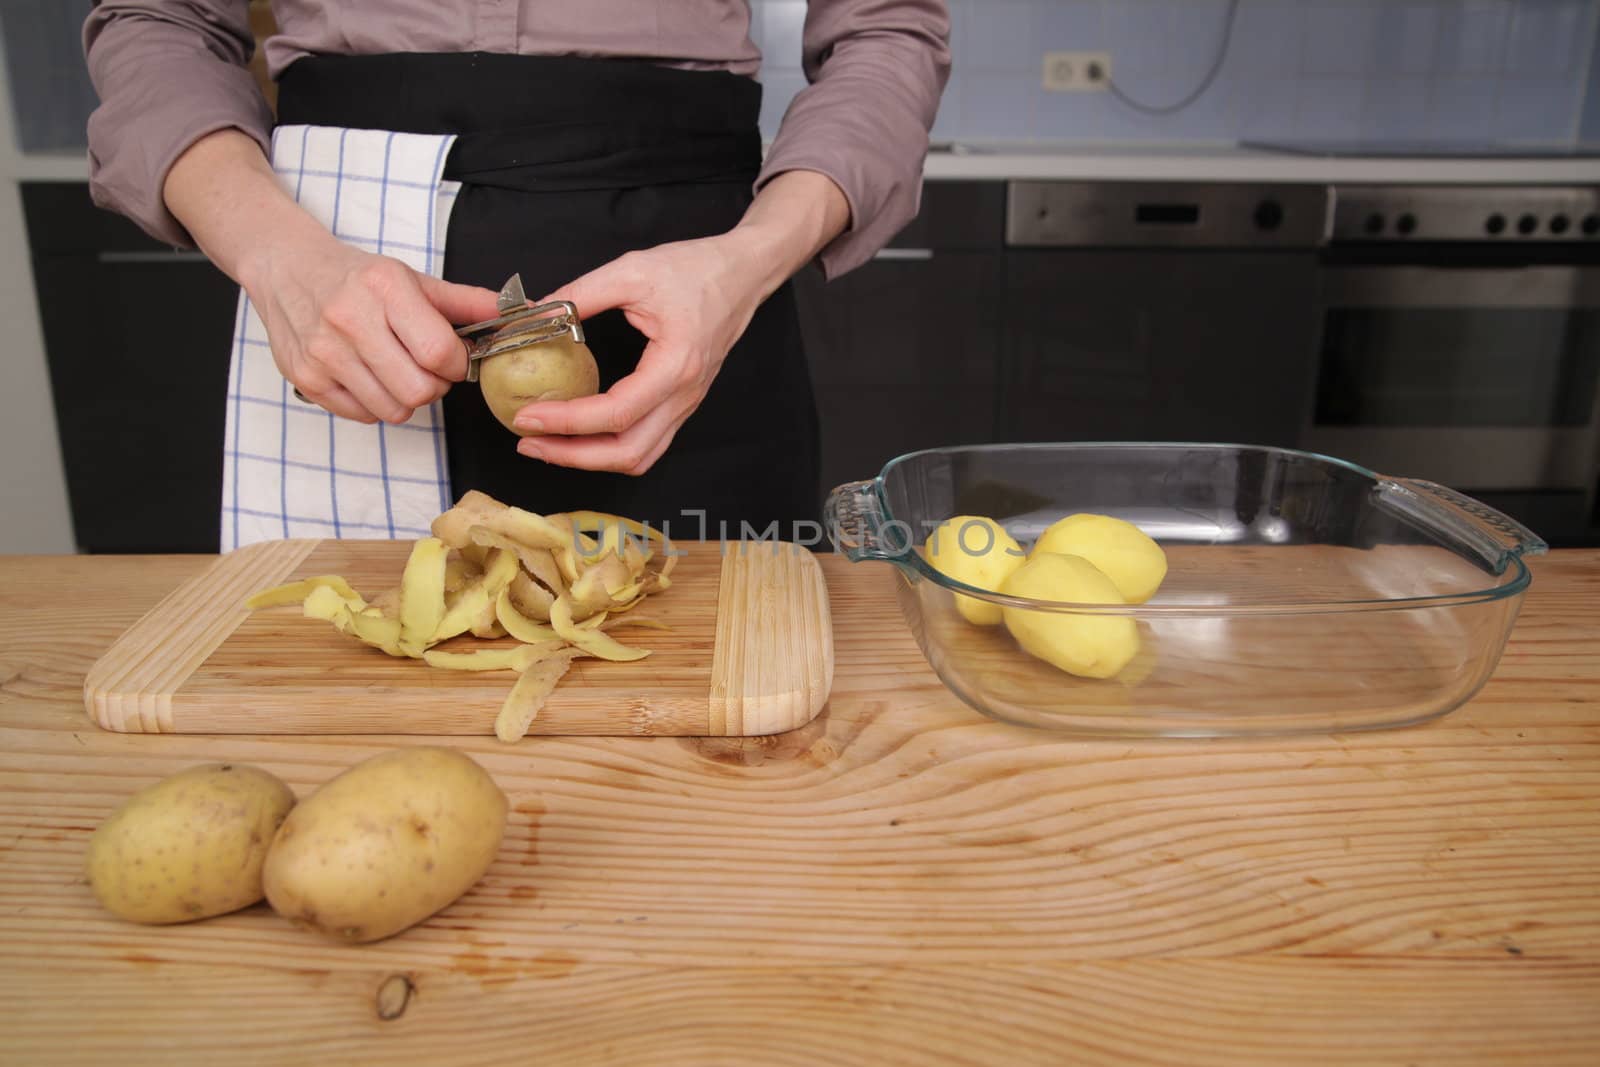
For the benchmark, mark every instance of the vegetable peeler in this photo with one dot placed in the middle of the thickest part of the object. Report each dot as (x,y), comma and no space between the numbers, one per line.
(518,325)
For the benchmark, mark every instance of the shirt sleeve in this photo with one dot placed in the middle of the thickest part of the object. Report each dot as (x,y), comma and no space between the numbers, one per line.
(876,70)
(168,72)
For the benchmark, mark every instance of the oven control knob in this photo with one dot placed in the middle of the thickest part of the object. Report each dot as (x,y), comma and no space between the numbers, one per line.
(1269,215)
(1374,223)
(1527,224)
(1406,224)
(1591,225)
(1495,224)
(1559,224)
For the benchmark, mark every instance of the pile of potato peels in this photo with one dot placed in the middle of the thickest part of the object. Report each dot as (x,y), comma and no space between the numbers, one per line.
(555,583)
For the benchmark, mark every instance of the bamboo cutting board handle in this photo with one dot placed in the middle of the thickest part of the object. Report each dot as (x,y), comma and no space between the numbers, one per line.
(749,651)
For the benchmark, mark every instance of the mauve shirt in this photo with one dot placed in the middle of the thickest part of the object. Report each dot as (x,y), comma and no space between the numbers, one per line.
(170,71)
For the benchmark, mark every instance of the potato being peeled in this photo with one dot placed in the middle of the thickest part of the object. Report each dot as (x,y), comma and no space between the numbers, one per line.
(561,369)
(386,844)
(190,846)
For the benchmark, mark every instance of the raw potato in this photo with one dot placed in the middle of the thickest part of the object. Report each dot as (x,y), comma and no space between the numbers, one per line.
(978,552)
(1091,646)
(1124,552)
(386,844)
(190,846)
(563,369)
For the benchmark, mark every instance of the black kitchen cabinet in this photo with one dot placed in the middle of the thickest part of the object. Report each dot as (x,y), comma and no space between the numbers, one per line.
(136,337)
(1159,345)
(904,350)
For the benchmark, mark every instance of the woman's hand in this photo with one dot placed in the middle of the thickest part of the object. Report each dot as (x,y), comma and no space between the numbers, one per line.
(365,336)
(692,300)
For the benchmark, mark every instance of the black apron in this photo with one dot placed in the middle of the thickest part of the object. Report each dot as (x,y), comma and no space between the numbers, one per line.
(566,164)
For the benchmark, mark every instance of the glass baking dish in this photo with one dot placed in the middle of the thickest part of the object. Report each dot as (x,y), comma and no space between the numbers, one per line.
(1303,593)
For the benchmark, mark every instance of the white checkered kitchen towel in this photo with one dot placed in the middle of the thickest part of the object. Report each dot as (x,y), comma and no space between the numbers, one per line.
(290,468)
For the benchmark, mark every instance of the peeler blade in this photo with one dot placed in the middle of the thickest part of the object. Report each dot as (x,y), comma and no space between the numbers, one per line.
(512,298)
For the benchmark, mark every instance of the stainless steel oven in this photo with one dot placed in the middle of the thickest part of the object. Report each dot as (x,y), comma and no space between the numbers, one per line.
(1460,341)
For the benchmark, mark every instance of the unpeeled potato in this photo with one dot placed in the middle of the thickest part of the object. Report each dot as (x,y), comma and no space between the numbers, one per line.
(189,846)
(562,369)
(386,844)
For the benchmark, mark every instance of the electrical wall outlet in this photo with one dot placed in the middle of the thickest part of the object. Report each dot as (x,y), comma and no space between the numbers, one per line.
(1076,72)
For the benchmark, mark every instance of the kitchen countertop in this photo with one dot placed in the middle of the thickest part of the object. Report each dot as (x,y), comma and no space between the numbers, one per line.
(1139,161)
(902,881)
(1226,162)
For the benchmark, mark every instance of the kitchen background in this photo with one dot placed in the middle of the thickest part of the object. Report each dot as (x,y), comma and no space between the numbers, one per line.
(1403,76)
(1513,70)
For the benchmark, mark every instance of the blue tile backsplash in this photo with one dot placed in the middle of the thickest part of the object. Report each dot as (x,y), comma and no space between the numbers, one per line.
(1395,70)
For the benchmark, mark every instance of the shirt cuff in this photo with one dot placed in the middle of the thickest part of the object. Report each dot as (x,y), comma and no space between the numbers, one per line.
(865,128)
(879,208)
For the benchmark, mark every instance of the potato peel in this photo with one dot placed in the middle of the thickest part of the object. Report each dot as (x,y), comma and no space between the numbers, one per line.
(459,571)
(594,642)
(590,593)
(599,521)
(519,625)
(530,598)
(530,693)
(296,592)
(644,622)
(492,659)
(454,525)
(493,570)
(422,605)
(379,631)
(534,560)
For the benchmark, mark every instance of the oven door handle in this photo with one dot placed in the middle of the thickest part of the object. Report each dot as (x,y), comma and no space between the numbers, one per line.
(1475,287)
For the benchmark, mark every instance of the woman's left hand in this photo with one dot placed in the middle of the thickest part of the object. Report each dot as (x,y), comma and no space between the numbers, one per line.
(692,300)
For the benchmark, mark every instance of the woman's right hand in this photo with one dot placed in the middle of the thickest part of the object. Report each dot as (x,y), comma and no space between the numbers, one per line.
(363,335)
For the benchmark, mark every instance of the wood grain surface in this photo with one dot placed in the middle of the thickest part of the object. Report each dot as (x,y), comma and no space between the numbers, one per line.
(748,650)
(899,882)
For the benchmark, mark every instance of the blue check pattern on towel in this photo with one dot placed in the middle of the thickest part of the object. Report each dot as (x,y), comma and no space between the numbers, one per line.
(291,469)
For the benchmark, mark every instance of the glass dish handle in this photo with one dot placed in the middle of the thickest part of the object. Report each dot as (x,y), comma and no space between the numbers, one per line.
(856,526)
(1493,535)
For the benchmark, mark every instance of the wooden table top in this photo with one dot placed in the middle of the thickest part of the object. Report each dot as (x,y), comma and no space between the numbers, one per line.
(902,881)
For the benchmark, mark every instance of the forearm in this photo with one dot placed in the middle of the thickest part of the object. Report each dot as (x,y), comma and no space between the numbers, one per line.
(223,191)
(878,70)
(793,217)
(168,72)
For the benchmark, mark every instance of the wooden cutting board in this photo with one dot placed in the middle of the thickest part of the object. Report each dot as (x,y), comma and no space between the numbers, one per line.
(750,651)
